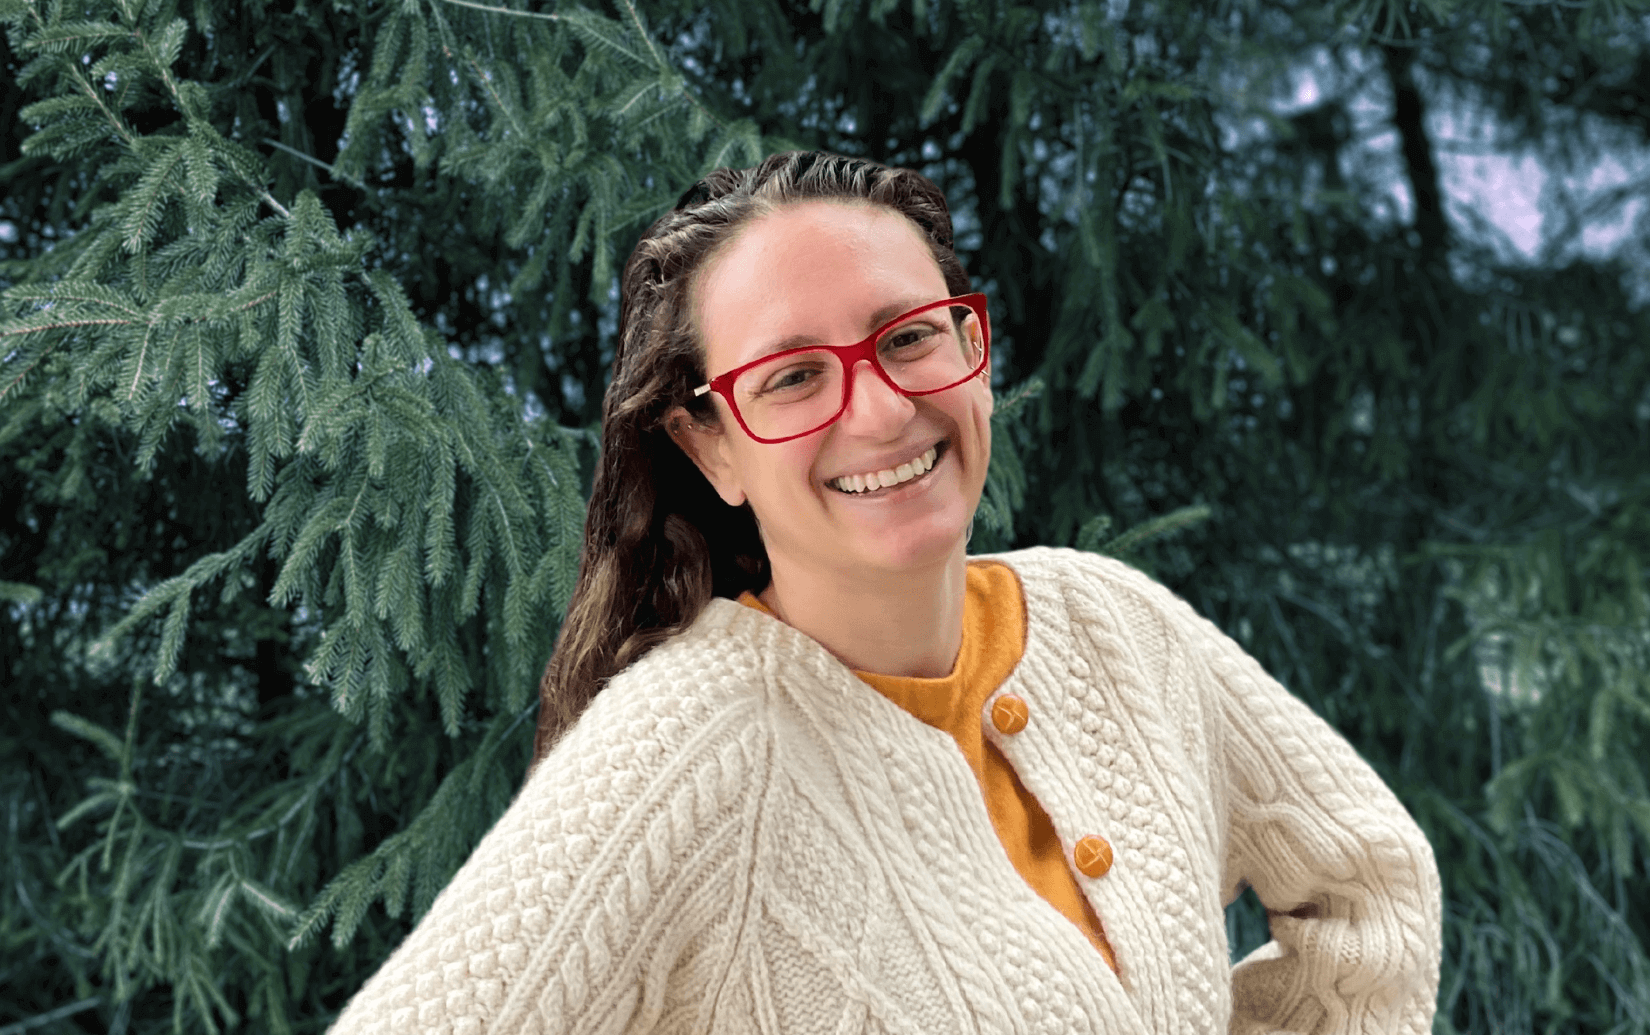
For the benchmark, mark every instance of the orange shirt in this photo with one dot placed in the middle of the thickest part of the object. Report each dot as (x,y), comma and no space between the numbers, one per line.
(994,636)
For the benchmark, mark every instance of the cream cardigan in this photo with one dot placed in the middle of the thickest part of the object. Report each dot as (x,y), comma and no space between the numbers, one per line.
(739,835)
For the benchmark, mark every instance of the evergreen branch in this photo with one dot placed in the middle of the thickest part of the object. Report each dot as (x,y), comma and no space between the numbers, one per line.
(337,758)
(247,165)
(131,740)
(439,535)
(513,551)
(312,160)
(226,842)
(744,133)
(269,199)
(85,729)
(1011,404)
(143,352)
(641,89)
(19,593)
(288,326)
(143,208)
(596,31)
(954,66)
(504,10)
(194,577)
(260,300)
(664,67)
(206,360)
(348,553)
(56,108)
(59,326)
(486,81)
(251,68)
(53,293)
(345,898)
(49,1016)
(319,423)
(1173,521)
(641,30)
(481,554)
(96,801)
(22,375)
(321,524)
(215,909)
(266,898)
(171,40)
(60,936)
(97,100)
(60,39)
(171,640)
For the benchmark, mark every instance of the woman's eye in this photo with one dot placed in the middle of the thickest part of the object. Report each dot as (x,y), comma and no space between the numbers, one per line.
(906,337)
(789,379)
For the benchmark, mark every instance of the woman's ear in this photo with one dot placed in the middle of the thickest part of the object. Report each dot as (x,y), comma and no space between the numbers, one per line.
(982,326)
(706,446)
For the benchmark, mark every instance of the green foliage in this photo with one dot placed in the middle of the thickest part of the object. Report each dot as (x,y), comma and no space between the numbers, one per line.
(1005,478)
(308,315)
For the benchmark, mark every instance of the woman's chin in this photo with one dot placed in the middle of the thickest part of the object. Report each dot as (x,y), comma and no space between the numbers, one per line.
(915,547)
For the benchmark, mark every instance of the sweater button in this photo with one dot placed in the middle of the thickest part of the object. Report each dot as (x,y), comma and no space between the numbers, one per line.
(1009,714)
(1093,856)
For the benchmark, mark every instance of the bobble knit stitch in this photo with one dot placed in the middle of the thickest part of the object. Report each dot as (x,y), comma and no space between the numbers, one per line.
(738,835)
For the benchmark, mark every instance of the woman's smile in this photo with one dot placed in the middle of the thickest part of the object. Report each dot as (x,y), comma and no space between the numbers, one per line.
(857,487)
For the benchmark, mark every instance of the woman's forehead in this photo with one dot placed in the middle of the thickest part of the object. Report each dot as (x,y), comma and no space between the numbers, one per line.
(813,267)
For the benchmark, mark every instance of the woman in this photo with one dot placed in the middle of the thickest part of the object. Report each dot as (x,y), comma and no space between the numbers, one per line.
(840,777)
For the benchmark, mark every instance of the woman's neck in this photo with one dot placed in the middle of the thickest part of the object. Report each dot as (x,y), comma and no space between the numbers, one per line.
(905,625)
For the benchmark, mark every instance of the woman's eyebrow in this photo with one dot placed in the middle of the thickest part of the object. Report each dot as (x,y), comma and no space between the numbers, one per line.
(796,341)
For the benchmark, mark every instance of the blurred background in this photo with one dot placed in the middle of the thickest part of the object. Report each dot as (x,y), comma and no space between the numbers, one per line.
(1330,316)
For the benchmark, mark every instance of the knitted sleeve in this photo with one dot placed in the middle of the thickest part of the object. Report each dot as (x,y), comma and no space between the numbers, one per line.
(568,915)
(1347,877)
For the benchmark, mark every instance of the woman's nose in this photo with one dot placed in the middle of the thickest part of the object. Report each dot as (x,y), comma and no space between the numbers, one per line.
(871,399)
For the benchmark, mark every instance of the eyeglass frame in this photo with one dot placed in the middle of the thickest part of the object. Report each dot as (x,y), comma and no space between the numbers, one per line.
(849,356)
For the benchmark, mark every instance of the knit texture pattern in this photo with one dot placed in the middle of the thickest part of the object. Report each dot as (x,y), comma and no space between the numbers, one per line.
(741,836)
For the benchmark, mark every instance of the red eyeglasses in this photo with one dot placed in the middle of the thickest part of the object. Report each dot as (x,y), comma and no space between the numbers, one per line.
(799,391)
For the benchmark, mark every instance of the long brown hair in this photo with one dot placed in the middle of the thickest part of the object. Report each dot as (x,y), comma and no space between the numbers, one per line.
(658,541)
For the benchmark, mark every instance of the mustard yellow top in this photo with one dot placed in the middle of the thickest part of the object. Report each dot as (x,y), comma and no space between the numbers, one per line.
(994,636)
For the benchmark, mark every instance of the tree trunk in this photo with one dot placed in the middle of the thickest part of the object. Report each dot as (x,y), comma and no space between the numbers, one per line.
(1409,115)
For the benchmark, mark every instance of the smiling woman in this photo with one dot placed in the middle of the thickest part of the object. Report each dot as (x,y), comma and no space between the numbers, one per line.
(805,766)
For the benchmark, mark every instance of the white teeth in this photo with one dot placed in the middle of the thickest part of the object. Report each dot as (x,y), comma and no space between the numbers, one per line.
(881,479)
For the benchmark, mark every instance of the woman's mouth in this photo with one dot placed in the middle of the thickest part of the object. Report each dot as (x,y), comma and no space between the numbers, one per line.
(884,483)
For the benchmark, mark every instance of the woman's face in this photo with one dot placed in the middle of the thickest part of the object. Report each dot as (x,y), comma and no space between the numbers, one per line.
(832,270)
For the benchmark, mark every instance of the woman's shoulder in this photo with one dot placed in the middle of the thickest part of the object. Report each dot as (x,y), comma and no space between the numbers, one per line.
(724,642)
(624,809)
(687,713)
(701,670)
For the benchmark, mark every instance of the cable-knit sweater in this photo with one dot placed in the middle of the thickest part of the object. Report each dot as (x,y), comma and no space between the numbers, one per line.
(993,641)
(738,835)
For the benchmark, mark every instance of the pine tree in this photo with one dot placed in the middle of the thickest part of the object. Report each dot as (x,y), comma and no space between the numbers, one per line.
(307,317)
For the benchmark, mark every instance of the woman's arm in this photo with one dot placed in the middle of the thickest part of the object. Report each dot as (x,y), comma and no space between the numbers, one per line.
(566,914)
(1348,879)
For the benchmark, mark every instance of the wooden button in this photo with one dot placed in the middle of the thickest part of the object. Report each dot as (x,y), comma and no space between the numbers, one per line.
(1092,856)
(1009,714)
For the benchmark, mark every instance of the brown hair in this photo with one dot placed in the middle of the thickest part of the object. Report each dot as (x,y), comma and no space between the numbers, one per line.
(658,541)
